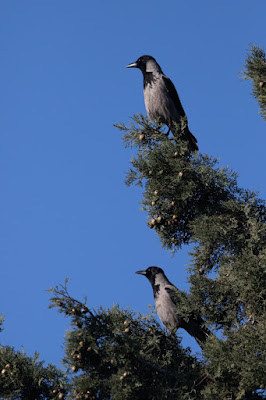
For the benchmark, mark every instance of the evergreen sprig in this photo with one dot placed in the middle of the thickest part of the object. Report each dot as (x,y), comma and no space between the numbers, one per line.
(117,354)
(255,69)
(179,186)
(25,378)
(1,322)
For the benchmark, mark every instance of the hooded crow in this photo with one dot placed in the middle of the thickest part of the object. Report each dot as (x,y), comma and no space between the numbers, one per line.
(160,96)
(166,302)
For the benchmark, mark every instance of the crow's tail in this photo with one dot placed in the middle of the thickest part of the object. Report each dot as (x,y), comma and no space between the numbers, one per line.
(177,130)
(196,329)
(192,140)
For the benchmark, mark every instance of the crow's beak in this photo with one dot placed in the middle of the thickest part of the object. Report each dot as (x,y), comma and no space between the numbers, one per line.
(132,65)
(141,272)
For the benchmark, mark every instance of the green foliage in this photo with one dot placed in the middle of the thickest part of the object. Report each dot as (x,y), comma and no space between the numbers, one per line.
(118,354)
(1,322)
(237,364)
(231,249)
(179,186)
(190,199)
(25,378)
(256,71)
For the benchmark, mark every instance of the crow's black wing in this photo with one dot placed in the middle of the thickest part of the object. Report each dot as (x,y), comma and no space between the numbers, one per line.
(176,295)
(181,301)
(187,320)
(173,94)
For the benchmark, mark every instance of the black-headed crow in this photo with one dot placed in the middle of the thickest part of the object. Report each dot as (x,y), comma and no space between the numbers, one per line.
(160,96)
(167,305)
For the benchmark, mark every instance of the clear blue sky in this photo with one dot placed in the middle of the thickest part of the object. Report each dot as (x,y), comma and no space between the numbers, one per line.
(65,211)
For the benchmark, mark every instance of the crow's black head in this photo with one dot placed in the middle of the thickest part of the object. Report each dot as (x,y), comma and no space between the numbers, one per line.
(145,64)
(150,273)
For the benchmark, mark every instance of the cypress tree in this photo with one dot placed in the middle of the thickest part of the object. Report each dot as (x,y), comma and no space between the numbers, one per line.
(255,70)
(118,354)
(26,378)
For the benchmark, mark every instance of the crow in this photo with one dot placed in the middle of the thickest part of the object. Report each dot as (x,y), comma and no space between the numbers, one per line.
(160,96)
(166,297)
